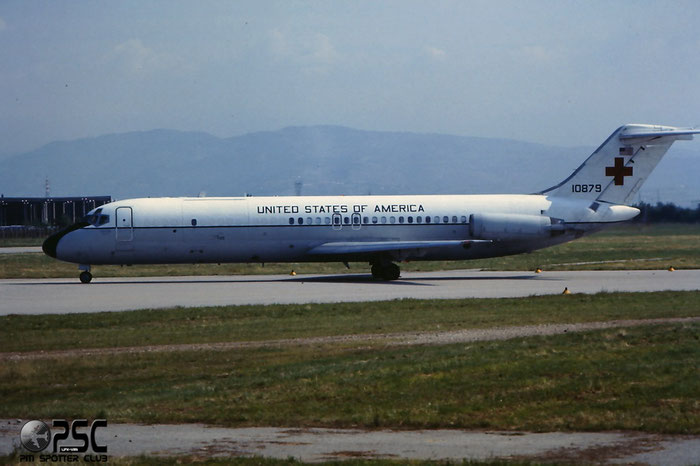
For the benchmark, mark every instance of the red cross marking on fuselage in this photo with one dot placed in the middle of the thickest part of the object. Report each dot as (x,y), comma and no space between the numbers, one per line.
(619,171)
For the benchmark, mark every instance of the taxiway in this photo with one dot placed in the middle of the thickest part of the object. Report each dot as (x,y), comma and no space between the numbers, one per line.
(319,444)
(68,295)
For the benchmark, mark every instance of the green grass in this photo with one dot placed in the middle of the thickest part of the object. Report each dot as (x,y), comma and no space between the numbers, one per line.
(638,378)
(624,247)
(641,379)
(14,242)
(258,322)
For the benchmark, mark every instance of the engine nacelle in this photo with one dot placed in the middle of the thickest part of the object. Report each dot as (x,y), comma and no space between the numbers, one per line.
(511,226)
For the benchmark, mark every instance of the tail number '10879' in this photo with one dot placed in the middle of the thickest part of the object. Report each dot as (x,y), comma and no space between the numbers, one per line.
(586,188)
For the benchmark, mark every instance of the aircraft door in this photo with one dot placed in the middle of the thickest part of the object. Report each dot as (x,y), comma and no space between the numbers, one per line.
(125,227)
(356,220)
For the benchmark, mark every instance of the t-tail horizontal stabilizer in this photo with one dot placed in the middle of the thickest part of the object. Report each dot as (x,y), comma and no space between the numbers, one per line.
(615,172)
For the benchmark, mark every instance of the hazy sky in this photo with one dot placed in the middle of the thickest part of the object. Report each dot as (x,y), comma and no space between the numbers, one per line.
(560,72)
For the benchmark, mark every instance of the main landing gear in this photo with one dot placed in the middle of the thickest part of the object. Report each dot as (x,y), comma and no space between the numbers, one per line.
(385,271)
(85,275)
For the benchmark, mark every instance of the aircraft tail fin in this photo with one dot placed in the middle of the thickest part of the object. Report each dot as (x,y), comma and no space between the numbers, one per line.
(618,168)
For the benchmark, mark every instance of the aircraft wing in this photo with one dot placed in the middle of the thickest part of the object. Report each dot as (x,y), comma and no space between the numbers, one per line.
(381,246)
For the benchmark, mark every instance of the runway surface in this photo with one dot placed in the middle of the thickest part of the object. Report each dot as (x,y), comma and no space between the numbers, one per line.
(20,250)
(315,444)
(67,295)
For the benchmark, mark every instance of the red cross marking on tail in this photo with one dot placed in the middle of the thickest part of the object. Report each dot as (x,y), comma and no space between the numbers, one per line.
(619,171)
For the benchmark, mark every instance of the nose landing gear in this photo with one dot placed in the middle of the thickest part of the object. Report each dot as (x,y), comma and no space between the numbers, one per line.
(385,271)
(85,275)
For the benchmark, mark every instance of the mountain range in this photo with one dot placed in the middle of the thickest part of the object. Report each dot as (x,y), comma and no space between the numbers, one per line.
(320,160)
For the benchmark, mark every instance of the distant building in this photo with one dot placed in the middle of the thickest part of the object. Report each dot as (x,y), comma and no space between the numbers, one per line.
(46,211)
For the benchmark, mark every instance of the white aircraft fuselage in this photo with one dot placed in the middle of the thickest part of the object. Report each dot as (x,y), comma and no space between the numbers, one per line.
(376,229)
(287,229)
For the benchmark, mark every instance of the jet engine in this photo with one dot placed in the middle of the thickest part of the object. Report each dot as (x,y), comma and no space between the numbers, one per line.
(513,226)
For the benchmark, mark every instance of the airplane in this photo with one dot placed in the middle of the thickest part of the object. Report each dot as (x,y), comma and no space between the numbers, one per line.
(380,230)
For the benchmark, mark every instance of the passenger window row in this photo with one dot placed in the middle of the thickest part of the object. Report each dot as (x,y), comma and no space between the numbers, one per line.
(355,220)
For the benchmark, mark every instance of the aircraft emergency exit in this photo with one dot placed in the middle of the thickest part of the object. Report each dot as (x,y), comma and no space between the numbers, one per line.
(380,230)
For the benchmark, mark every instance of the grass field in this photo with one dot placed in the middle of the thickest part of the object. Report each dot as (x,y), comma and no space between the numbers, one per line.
(637,378)
(269,322)
(14,242)
(624,247)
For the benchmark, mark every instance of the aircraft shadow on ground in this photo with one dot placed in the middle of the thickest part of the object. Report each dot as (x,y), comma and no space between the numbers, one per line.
(353,278)
(364,278)
(339,278)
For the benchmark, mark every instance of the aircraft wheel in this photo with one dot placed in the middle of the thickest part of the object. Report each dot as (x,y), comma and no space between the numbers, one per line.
(388,271)
(85,277)
(391,272)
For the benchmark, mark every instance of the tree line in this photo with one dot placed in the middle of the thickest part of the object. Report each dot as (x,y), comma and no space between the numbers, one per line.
(666,213)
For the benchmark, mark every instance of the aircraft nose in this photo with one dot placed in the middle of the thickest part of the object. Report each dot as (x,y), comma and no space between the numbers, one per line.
(51,243)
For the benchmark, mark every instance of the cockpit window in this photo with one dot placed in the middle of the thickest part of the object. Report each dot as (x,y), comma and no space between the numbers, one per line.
(97,218)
